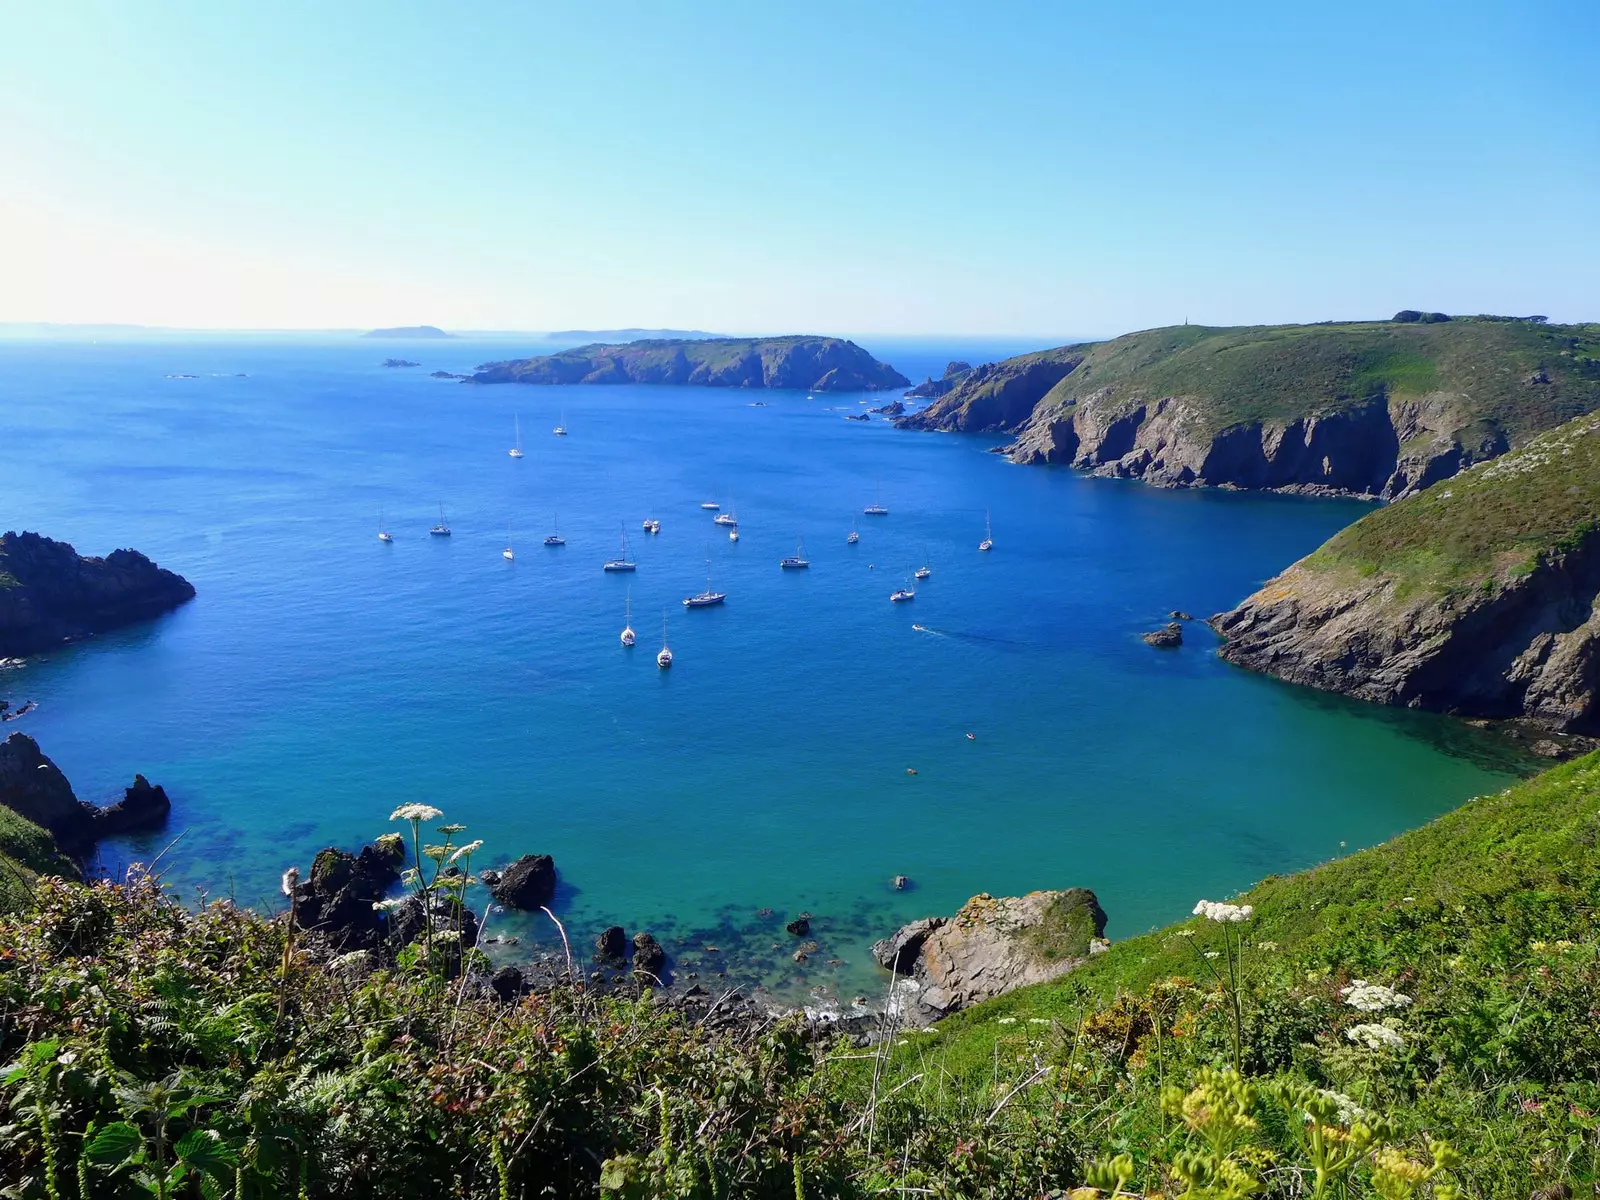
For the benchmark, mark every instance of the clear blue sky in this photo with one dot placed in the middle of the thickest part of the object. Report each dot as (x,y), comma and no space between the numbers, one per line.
(1052,168)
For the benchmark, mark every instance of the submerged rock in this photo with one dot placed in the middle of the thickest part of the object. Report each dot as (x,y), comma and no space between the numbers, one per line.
(143,806)
(990,947)
(611,945)
(800,926)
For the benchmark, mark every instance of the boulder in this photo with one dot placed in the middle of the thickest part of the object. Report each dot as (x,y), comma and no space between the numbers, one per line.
(612,945)
(1178,614)
(527,884)
(800,926)
(1168,637)
(648,956)
(508,984)
(336,899)
(144,806)
(990,947)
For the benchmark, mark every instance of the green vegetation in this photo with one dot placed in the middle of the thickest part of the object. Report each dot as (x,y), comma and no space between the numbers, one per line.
(1413,1021)
(1278,373)
(1495,521)
(26,852)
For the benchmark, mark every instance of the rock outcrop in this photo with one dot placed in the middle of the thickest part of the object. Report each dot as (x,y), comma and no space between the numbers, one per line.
(32,786)
(336,900)
(814,363)
(931,388)
(648,956)
(990,947)
(49,594)
(1478,597)
(526,884)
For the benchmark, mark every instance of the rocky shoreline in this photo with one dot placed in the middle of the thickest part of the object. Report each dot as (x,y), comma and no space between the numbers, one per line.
(50,594)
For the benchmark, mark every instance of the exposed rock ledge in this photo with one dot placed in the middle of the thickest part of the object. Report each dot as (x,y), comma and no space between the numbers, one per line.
(990,947)
(1528,649)
(49,594)
(1377,448)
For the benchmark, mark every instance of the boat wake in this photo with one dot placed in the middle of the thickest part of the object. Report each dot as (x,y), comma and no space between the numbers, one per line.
(983,638)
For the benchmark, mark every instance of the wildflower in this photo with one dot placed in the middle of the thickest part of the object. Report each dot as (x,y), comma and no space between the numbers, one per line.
(1269,947)
(1345,1110)
(1212,911)
(1538,947)
(1213,954)
(463,851)
(1408,899)
(447,935)
(386,905)
(1374,1037)
(1372,997)
(389,843)
(416,812)
(291,880)
(451,830)
(1006,1021)
(410,876)
(1562,946)
(1185,933)
(436,853)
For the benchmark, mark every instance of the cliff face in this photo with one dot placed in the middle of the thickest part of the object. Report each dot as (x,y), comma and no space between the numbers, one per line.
(1478,597)
(33,787)
(1377,409)
(812,363)
(49,594)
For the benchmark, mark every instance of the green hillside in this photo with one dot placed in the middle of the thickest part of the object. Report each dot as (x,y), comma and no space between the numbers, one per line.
(1276,373)
(26,852)
(1498,519)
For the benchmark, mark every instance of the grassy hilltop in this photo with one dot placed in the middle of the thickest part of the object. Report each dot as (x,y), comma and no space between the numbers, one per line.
(1375,407)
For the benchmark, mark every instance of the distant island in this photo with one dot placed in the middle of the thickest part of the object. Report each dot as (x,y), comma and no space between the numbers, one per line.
(814,363)
(1373,408)
(409,331)
(399,362)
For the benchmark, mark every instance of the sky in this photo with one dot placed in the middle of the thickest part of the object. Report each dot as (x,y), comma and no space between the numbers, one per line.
(1000,168)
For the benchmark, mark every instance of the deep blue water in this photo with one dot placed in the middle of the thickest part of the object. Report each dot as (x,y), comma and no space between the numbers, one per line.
(321,677)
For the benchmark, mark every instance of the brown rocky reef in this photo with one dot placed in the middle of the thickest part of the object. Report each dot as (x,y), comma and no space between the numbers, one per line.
(1378,408)
(990,947)
(34,787)
(49,594)
(815,363)
(1479,597)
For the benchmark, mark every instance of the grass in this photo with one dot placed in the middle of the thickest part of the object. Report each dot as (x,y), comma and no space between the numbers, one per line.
(148,1042)
(1478,369)
(26,852)
(1494,522)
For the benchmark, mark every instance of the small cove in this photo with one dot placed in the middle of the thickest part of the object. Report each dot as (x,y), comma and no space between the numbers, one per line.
(322,677)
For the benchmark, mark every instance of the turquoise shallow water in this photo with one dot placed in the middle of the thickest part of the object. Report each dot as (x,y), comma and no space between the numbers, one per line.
(321,677)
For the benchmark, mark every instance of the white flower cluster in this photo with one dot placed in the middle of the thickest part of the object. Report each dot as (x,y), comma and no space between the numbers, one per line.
(416,812)
(463,851)
(387,905)
(1374,1037)
(1213,911)
(1372,997)
(1349,1111)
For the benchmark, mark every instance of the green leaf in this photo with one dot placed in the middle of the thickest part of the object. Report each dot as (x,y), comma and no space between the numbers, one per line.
(204,1150)
(116,1143)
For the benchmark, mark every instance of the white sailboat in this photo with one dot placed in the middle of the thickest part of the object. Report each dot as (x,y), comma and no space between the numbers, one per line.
(664,659)
(708,597)
(798,560)
(383,534)
(506,553)
(628,636)
(733,534)
(624,563)
(441,529)
(516,445)
(988,533)
(876,508)
(561,429)
(855,535)
(555,539)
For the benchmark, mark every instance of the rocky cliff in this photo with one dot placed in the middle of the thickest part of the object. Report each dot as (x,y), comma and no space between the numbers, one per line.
(49,594)
(1479,596)
(990,947)
(34,788)
(813,363)
(1371,409)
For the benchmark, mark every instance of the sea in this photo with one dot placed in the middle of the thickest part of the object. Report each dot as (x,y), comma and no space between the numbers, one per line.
(1006,730)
